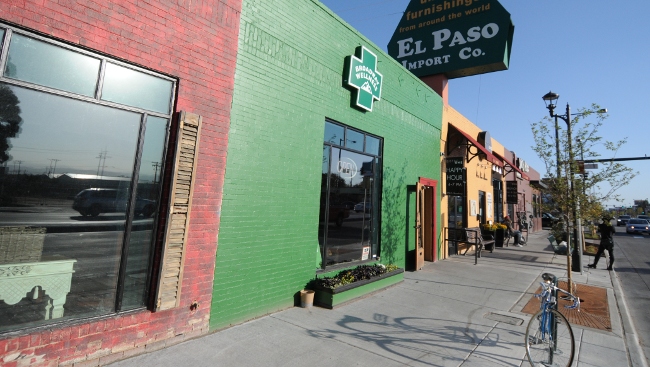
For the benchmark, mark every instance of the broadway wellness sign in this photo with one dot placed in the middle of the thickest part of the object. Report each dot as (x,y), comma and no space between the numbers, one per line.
(361,75)
(453,37)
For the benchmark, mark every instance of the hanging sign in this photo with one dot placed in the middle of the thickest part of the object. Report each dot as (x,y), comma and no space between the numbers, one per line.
(511,192)
(489,204)
(455,176)
(453,37)
(363,78)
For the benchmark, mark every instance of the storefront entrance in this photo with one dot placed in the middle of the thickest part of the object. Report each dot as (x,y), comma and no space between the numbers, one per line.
(426,210)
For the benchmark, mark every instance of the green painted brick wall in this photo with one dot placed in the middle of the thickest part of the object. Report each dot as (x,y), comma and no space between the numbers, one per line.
(287,82)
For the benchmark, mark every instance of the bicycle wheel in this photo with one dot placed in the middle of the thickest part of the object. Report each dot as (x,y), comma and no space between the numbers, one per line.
(546,350)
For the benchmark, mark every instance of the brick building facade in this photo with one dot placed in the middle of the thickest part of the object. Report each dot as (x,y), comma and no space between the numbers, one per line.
(189,46)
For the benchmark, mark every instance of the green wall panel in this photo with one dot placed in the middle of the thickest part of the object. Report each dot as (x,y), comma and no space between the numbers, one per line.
(288,81)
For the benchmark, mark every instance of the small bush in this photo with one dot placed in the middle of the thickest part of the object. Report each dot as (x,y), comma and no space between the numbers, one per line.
(354,275)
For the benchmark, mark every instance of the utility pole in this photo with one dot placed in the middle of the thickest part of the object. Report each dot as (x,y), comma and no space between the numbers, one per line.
(155,166)
(102,162)
(53,170)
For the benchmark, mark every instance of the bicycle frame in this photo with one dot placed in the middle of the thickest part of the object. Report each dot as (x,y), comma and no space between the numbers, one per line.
(548,324)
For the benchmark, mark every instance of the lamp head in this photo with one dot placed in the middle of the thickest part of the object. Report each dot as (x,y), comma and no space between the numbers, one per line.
(550,99)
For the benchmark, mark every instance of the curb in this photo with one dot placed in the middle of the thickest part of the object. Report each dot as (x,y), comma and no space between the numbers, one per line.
(635,352)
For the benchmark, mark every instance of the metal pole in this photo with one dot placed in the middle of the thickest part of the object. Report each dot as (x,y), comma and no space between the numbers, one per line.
(559,174)
(557,148)
(577,263)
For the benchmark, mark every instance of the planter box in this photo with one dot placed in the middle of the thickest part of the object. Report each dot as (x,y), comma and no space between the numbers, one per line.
(331,298)
(499,237)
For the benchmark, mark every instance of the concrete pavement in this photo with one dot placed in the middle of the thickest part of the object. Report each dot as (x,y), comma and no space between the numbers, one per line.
(451,313)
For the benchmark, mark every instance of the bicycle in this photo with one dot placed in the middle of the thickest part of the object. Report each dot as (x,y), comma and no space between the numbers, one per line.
(549,337)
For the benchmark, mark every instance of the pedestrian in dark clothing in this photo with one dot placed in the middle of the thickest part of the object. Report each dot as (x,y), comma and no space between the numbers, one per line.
(606,242)
(512,232)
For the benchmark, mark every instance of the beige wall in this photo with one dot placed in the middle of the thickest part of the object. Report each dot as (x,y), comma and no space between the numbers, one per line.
(479,173)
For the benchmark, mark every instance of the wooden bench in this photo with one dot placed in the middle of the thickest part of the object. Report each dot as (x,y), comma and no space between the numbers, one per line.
(559,250)
(474,237)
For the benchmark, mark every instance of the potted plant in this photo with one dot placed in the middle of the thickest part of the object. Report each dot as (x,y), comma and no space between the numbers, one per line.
(500,234)
(497,231)
(345,286)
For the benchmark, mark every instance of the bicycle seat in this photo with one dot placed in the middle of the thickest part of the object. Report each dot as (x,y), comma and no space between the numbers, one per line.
(550,278)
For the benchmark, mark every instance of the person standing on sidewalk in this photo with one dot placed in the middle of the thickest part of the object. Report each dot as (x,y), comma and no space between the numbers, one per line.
(606,242)
(512,232)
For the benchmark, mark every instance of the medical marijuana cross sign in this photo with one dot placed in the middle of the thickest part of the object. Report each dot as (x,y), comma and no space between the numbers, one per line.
(364,77)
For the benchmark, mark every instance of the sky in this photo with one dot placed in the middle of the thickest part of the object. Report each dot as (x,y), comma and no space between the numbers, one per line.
(587,51)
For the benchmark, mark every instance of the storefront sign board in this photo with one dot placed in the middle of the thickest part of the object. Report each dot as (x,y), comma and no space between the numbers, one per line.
(455,176)
(511,192)
(453,37)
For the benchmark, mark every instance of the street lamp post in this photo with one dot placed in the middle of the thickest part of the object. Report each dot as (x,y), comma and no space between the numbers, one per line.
(584,170)
(550,99)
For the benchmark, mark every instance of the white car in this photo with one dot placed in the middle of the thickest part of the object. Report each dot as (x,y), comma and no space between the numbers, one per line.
(636,225)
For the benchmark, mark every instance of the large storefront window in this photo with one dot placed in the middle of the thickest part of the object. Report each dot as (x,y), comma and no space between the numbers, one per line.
(350,196)
(82,142)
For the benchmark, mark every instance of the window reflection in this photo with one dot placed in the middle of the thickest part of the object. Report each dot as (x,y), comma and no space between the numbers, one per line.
(334,133)
(135,88)
(348,219)
(372,145)
(64,191)
(41,63)
(354,140)
(148,192)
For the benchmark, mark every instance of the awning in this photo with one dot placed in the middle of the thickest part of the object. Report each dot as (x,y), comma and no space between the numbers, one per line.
(539,184)
(489,156)
(512,167)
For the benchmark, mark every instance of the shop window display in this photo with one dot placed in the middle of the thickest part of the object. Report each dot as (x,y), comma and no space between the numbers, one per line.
(350,191)
(80,166)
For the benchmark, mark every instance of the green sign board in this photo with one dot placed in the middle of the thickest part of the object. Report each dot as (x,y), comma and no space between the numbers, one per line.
(453,37)
(363,78)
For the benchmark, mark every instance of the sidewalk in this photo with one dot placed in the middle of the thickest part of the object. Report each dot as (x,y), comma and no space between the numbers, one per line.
(451,313)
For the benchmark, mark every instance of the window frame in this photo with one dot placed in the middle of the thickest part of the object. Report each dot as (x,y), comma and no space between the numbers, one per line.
(157,233)
(4,43)
(379,174)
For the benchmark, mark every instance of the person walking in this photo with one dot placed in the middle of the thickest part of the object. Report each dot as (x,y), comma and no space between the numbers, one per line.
(606,243)
(512,232)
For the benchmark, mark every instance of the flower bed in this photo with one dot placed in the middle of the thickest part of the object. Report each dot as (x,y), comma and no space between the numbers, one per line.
(352,284)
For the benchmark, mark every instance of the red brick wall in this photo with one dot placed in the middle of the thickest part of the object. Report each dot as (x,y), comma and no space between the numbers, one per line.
(195,41)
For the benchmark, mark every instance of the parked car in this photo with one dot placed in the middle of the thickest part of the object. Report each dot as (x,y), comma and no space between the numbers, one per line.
(636,225)
(96,201)
(548,220)
(360,207)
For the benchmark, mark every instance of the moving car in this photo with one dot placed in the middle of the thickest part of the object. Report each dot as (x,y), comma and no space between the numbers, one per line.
(646,217)
(96,201)
(548,220)
(636,225)
(622,220)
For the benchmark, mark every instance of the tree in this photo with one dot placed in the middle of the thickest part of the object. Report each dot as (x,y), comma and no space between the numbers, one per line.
(9,120)
(589,190)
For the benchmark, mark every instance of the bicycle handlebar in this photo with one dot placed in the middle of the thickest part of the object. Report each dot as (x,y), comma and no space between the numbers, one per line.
(548,287)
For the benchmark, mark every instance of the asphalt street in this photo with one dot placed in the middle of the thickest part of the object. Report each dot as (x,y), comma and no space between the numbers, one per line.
(632,265)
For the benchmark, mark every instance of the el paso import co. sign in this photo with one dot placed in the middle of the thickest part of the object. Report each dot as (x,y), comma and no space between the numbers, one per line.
(454,37)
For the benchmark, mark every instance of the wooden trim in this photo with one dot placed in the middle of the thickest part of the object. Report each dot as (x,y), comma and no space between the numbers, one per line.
(178,219)
(433,245)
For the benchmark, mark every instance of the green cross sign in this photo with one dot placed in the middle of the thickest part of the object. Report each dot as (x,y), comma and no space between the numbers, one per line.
(365,78)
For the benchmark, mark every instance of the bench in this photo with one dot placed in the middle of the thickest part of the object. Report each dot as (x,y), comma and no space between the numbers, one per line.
(557,249)
(474,237)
